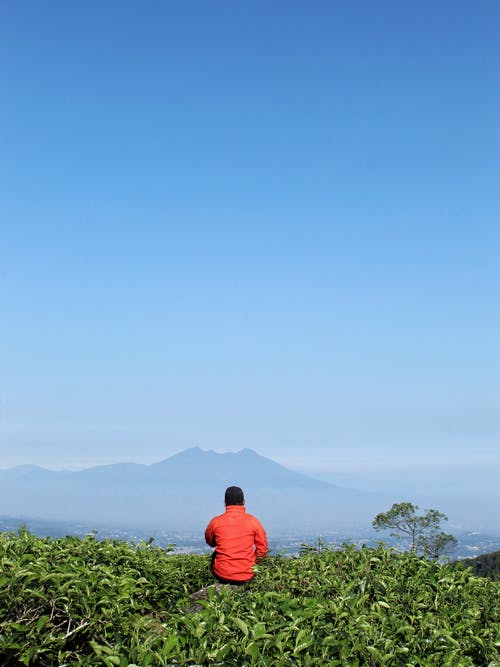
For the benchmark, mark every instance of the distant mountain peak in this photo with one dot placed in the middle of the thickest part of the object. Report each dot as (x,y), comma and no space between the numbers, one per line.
(196,453)
(246,451)
(182,491)
(26,470)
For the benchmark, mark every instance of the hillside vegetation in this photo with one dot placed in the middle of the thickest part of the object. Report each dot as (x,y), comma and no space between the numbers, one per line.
(487,565)
(88,602)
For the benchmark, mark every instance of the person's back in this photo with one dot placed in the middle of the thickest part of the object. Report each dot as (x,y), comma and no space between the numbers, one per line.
(239,540)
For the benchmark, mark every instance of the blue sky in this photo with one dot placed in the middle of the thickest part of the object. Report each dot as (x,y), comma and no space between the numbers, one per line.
(232,224)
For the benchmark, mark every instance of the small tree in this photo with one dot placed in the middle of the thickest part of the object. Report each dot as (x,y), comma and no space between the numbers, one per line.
(423,531)
(434,544)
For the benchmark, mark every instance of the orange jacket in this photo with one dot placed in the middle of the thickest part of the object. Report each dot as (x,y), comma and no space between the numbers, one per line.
(239,539)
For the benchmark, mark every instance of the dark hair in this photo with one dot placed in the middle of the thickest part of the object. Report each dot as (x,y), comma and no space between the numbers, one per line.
(234,496)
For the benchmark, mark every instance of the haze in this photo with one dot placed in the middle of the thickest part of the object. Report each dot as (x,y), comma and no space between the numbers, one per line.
(265,225)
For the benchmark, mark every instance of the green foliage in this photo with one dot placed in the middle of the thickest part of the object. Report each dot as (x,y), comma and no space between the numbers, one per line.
(487,565)
(423,531)
(86,602)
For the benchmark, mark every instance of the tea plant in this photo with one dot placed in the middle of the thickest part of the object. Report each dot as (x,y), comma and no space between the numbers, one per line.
(88,602)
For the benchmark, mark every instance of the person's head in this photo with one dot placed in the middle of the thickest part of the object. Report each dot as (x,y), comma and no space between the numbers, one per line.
(234,496)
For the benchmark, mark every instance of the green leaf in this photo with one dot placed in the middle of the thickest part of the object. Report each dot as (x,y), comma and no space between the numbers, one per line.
(242,626)
(169,645)
(42,622)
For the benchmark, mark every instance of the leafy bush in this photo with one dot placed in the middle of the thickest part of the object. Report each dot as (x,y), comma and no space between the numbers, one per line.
(71,601)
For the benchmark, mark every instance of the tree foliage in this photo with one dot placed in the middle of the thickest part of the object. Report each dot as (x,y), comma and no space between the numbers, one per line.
(422,531)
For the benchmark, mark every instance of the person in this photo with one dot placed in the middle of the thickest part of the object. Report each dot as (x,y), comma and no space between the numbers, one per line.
(239,540)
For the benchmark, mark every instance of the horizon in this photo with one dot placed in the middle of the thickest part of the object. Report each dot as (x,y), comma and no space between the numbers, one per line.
(357,475)
(432,480)
(304,469)
(270,225)
(352,498)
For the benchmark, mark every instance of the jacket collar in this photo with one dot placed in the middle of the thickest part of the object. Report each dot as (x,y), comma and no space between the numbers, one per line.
(235,508)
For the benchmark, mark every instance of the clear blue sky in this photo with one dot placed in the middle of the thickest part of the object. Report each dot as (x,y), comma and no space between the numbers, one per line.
(250,224)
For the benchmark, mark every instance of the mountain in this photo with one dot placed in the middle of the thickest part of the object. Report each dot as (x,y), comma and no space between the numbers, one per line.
(184,491)
(21,471)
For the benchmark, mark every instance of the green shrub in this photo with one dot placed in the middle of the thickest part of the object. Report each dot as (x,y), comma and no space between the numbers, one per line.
(88,602)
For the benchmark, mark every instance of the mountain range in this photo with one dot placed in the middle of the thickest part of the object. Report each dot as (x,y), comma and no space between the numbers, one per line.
(184,491)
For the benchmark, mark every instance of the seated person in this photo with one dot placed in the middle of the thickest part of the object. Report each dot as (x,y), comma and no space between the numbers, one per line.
(239,540)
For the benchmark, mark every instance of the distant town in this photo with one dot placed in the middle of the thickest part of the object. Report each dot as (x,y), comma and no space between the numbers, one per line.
(469,543)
